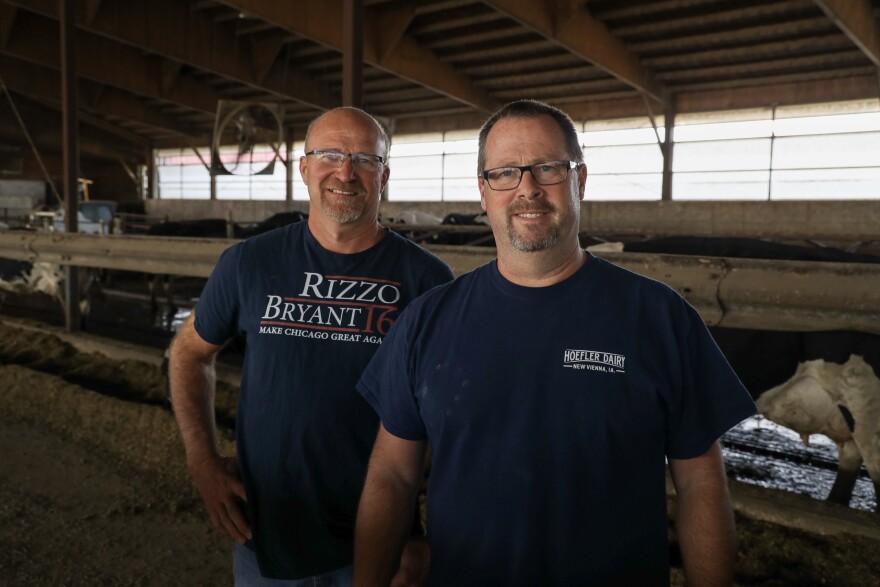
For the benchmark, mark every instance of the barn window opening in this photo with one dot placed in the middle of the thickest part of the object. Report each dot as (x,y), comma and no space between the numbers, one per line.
(819,151)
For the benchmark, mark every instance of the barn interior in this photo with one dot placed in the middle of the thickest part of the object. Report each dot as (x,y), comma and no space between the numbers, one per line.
(103,101)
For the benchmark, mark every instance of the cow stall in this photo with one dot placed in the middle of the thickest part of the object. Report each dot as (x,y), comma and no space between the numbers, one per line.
(781,295)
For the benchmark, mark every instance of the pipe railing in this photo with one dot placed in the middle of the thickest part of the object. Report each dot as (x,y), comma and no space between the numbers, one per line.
(737,293)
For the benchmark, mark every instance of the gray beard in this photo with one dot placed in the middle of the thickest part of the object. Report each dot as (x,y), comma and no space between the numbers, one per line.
(343,214)
(533,244)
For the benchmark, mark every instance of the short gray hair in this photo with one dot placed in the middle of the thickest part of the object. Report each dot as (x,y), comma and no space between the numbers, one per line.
(531,109)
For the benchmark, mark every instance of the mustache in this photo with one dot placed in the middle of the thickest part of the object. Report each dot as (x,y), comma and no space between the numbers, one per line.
(351,186)
(527,209)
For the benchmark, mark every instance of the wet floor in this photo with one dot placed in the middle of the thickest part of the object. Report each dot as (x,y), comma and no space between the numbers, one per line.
(760,452)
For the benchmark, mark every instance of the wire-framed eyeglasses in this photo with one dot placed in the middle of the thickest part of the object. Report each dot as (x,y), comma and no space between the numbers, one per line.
(546,173)
(360,161)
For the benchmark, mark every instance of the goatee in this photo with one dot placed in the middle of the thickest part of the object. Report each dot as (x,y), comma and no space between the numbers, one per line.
(343,209)
(530,243)
(343,212)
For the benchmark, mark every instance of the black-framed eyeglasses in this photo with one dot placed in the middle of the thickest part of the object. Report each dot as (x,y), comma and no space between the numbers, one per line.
(360,161)
(546,173)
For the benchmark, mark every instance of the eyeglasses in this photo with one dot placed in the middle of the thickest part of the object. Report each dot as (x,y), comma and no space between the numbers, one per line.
(360,161)
(546,173)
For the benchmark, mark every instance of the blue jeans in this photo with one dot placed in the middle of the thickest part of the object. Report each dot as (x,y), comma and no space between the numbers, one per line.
(246,573)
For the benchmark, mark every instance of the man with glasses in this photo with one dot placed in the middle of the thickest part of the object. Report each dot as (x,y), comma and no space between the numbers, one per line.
(552,386)
(314,300)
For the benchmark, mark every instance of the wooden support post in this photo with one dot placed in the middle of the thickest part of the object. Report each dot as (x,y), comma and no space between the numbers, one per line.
(288,163)
(70,173)
(353,53)
(151,173)
(668,148)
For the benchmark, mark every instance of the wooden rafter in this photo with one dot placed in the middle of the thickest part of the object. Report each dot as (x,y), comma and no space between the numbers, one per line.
(319,21)
(856,19)
(582,35)
(106,62)
(387,27)
(7,20)
(168,28)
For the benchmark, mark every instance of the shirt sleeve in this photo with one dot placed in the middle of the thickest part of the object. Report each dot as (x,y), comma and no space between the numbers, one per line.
(218,307)
(387,382)
(711,399)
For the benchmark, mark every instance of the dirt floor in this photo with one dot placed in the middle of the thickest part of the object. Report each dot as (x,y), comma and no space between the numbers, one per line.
(94,491)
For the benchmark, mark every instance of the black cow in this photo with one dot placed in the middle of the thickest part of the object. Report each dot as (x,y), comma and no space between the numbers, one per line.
(273,222)
(203,228)
(464,238)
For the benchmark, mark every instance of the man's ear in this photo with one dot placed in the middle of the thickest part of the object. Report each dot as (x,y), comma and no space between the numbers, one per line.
(482,186)
(303,168)
(582,180)
(386,173)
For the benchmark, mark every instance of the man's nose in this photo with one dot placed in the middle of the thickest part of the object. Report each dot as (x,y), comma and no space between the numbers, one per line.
(346,171)
(528,187)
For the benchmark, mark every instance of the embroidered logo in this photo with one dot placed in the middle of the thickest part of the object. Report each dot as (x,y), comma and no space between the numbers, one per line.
(593,361)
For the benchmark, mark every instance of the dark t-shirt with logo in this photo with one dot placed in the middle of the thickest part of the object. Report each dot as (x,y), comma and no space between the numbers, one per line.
(550,412)
(312,321)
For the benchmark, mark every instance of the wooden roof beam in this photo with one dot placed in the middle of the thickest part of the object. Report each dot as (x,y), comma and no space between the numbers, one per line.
(91,7)
(265,53)
(44,127)
(856,19)
(764,67)
(43,83)
(388,26)
(7,20)
(319,22)
(847,87)
(106,62)
(577,31)
(169,71)
(168,28)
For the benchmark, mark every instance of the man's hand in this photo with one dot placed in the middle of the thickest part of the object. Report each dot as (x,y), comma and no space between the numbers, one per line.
(414,564)
(192,378)
(220,486)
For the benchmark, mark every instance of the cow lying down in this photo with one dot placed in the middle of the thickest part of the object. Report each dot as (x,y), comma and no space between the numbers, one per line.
(48,278)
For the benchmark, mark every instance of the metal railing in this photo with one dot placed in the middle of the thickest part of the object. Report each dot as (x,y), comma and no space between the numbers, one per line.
(738,293)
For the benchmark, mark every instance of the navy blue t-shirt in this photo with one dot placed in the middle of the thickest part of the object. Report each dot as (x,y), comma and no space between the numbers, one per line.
(312,320)
(550,412)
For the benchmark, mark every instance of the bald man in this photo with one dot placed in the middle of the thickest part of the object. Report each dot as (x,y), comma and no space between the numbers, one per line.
(314,301)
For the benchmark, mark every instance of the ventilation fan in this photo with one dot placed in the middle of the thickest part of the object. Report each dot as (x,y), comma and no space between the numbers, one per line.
(247,138)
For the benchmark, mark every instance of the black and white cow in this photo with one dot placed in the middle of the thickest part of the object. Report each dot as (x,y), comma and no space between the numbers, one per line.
(816,383)
(811,382)
(25,278)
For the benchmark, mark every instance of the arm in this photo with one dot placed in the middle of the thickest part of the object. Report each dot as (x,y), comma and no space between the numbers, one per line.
(705,519)
(192,378)
(385,512)
(414,563)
